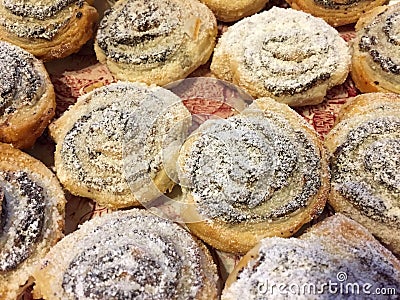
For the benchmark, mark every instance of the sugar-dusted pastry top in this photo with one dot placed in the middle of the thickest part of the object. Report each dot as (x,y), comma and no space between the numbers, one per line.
(21,82)
(336,12)
(365,156)
(125,255)
(48,29)
(260,173)
(155,41)
(333,255)
(376,57)
(27,99)
(31,220)
(116,128)
(288,55)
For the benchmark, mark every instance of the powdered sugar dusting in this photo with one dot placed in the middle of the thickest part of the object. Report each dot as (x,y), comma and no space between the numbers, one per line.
(134,254)
(21,84)
(313,260)
(286,52)
(251,167)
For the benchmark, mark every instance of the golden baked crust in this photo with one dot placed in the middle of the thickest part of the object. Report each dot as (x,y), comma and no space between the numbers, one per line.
(153,259)
(32,217)
(376,51)
(155,42)
(229,11)
(27,102)
(258,174)
(364,146)
(111,144)
(284,54)
(333,252)
(336,12)
(53,30)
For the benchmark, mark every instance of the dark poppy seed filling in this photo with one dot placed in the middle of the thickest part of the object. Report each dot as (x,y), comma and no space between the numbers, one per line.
(22,218)
(132,33)
(121,117)
(242,169)
(29,19)
(290,54)
(284,261)
(153,262)
(381,39)
(365,169)
(332,4)
(20,82)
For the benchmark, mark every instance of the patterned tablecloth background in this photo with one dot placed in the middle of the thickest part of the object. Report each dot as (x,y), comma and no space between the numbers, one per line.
(81,73)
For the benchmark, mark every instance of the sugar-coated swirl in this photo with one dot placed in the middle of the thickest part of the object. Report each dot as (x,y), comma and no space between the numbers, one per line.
(29,19)
(381,40)
(334,255)
(90,157)
(22,218)
(31,217)
(21,83)
(285,54)
(129,255)
(251,168)
(365,169)
(131,33)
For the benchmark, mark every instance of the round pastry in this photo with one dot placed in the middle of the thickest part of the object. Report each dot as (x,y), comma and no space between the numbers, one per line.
(155,42)
(128,255)
(257,174)
(285,54)
(336,259)
(229,11)
(92,134)
(336,12)
(376,51)
(31,217)
(365,149)
(27,99)
(48,29)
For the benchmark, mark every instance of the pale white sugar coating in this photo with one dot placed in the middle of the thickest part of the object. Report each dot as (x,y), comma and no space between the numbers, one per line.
(315,261)
(282,53)
(126,255)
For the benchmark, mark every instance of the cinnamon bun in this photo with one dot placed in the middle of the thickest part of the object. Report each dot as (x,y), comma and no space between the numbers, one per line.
(285,54)
(257,174)
(31,219)
(27,99)
(229,11)
(128,255)
(376,51)
(155,42)
(336,12)
(115,135)
(337,258)
(48,29)
(365,149)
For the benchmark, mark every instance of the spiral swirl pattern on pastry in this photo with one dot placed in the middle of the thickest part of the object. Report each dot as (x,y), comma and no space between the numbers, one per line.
(31,208)
(333,255)
(32,25)
(284,54)
(259,167)
(365,162)
(127,255)
(90,138)
(155,41)
(336,12)
(27,99)
(376,58)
